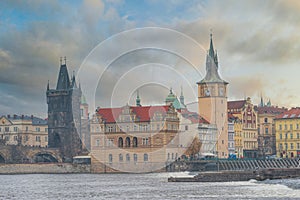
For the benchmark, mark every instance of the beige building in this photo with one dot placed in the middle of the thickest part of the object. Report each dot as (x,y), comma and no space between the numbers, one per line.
(24,130)
(212,101)
(245,112)
(266,129)
(287,126)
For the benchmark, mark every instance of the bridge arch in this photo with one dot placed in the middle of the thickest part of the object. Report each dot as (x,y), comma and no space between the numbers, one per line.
(44,157)
(2,159)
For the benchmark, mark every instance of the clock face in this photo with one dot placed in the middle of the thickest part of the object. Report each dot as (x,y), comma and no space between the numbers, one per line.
(221,91)
(207,92)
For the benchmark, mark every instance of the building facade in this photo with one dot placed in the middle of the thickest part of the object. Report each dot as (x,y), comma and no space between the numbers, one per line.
(24,130)
(245,112)
(134,138)
(231,141)
(266,129)
(287,127)
(212,100)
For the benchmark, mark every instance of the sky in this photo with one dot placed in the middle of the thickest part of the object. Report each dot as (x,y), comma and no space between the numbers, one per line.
(115,47)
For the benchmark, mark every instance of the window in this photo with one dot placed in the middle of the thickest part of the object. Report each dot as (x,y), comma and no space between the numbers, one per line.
(291,126)
(267,130)
(120,142)
(38,138)
(110,158)
(15,138)
(145,141)
(297,125)
(285,127)
(298,136)
(46,129)
(280,127)
(292,145)
(27,138)
(145,157)
(7,138)
(127,157)
(6,129)
(298,145)
(46,138)
(186,127)
(135,142)
(280,135)
(0,129)
(266,120)
(97,142)
(26,129)
(110,129)
(120,158)
(291,135)
(37,129)
(15,129)
(135,157)
(157,127)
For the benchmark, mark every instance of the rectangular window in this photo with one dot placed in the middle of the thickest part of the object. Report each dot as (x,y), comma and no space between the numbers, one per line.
(297,126)
(46,129)
(285,127)
(291,126)
(292,145)
(15,129)
(298,146)
(280,127)
(38,138)
(26,128)
(26,138)
(0,129)
(291,136)
(6,129)
(298,136)
(37,129)
(46,138)
(15,138)
(145,141)
(267,130)
(97,142)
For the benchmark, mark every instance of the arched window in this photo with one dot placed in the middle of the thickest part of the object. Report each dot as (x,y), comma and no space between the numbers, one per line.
(120,157)
(127,142)
(110,158)
(145,157)
(127,157)
(135,142)
(120,142)
(135,157)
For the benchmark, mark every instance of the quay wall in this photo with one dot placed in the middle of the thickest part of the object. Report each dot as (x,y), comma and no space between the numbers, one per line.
(44,168)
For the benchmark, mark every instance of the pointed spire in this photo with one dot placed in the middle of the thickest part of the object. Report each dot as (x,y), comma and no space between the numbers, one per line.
(48,85)
(211,48)
(261,101)
(181,98)
(63,81)
(138,100)
(216,59)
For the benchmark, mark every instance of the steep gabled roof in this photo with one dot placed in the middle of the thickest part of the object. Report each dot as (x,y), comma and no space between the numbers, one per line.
(293,113)
(143,113)
(270,110)
(236,104)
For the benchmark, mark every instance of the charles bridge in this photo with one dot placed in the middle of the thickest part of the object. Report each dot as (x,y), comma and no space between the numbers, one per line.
(24,154)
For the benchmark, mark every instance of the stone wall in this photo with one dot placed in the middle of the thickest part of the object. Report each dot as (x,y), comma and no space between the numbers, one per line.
(51,168)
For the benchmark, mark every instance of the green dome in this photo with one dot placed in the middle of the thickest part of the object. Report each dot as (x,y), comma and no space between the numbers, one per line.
(171,97)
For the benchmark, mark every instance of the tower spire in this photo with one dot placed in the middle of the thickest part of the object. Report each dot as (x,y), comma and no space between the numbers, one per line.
(181,98)
(138,100)
(211,48)
(48,85)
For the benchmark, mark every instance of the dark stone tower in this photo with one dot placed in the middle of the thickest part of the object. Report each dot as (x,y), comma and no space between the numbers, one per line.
(63,113)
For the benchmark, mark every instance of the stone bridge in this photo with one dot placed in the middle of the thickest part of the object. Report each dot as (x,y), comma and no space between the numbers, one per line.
(25,154)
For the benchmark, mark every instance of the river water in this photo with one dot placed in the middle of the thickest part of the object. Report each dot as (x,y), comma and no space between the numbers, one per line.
(138,186)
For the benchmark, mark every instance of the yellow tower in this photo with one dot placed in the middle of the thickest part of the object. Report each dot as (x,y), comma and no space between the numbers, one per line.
(212,100)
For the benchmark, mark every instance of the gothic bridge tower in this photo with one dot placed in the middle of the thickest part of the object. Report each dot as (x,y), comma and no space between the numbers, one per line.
(212,100)
(63,112)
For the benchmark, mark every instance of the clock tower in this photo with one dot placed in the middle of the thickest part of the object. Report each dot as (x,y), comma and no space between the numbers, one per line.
(212,100)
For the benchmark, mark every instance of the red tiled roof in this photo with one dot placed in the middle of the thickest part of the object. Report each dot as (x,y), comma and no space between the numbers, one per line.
(144,113)
(193,116)
(236,104)
(270,110)
(292,113)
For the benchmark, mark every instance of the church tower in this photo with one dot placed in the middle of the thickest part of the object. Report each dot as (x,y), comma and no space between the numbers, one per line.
(212,100)
(63,113)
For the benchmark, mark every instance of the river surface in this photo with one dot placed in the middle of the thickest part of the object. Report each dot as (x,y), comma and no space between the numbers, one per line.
(138,186)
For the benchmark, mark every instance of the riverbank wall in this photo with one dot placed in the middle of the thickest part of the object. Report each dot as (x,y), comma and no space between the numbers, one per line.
(45,168)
